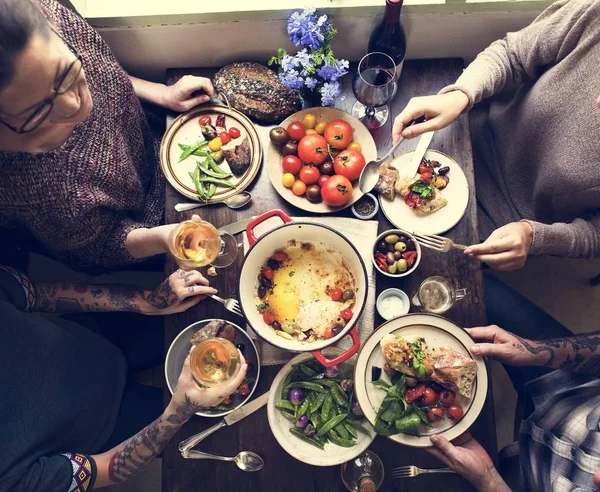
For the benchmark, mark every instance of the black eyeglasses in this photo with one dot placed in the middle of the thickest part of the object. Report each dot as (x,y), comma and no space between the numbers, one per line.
(63,85)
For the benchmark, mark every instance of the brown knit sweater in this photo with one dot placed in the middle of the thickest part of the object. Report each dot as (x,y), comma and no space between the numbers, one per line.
(541,162)
(82,200)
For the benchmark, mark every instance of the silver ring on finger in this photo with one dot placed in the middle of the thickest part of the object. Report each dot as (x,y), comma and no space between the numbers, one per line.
(182,273)
(187,278)
(191,289)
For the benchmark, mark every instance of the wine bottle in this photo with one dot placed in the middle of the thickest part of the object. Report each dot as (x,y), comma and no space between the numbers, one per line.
(388,37)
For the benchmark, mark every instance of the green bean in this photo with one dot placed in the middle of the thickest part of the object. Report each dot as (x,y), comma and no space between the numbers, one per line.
(217,181)
(209,172)
(302,408)
(330,424)
(284,405)
(318,402)
(310,440)
(351,430)
(339,396)
(311,373)
(191,149)
(358,427)
(326,408)
(341,430)
(345,443)
(306,385)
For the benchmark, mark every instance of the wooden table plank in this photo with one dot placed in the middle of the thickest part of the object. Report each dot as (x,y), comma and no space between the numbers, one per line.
(281,471)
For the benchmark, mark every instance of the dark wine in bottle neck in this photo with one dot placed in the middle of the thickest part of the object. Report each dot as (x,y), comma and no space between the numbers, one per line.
(392,11)
(388,37)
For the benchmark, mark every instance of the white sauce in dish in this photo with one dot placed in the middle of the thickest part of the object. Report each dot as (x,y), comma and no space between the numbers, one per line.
(391,307)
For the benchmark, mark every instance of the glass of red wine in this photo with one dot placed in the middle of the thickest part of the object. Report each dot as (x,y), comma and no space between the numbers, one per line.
(374,86)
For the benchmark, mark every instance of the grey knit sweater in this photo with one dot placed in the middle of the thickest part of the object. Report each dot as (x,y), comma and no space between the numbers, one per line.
(542,160)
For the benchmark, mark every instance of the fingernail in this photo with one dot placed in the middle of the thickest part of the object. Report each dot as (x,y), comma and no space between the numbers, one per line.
(434,439)
(467,251)
(206,98)
(407,133)
(475,349)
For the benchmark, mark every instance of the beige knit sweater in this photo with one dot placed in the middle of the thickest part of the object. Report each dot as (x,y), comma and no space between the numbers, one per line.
(542,162)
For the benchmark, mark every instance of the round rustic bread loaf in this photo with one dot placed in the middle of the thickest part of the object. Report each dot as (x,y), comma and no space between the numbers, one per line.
(255,90)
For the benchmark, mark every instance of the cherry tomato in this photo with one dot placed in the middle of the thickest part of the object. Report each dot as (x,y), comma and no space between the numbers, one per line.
(225,137)
(244,389)
(215,144)
(291,164)
(428,397)
(280,256)
(354,145)
(455,412)
(268,317)
(299,188)
(338,134)
(226,400)
(349,163)
(336,294)
(337,191)
(312,149)
(435,414)
(204,120)
(296,130)
(234,132)
(311,131)
(309,121)
(411,394)
(309,175)
(329,332)
(446,397)
(267,272)
(323,179)
(320,127)
(288,180)
(347,314)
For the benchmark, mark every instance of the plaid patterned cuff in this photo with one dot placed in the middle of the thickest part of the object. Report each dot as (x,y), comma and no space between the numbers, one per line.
(26,285)
(84,472)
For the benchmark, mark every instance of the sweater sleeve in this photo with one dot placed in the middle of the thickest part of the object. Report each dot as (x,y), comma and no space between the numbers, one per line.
(522,56)
(578,239)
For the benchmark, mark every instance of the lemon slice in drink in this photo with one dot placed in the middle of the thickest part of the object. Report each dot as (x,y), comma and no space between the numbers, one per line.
(192,254)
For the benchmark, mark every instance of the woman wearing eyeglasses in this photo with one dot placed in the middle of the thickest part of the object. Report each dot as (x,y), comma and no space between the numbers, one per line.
(78,162)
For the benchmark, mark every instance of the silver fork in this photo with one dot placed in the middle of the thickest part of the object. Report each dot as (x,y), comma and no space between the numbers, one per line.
(230,304)
(438,243)
(410,471)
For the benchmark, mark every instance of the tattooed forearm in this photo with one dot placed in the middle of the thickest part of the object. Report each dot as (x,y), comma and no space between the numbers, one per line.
(127,460)
(162,297)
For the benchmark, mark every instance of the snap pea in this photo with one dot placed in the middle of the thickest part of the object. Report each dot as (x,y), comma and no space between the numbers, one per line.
(318,402)
(284,405)
(212,188)
(310,440)
(311,373)
(288,416)
(209,172)
(326,408)
(358,427)
(316,420)
(330,424)
(217,181)
(221,408)
(213,165)
(302,408)
(339,396)
(345,443)
(351,430)
(343,375)
(191,149)
(199,188)
(341,430)
(286,381)
(306,385)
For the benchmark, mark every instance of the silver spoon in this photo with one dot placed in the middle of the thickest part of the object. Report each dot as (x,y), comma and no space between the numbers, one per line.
(235,201)
(370,173)
(246,460)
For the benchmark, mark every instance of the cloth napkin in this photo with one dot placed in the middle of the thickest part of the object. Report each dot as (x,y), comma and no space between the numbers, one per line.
(362,235)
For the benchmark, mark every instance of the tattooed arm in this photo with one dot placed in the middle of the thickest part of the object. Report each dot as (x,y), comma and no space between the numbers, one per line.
(579,353)
(177,293)
(125,460)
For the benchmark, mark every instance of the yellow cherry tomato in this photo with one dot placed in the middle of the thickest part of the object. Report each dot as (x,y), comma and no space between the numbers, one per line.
(215,144)
(320,127)
(309,121)
(288,180)
(311,131)
(354,146)
(298,188)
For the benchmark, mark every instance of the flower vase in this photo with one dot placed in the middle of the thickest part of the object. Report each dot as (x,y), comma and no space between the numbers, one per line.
(310,98)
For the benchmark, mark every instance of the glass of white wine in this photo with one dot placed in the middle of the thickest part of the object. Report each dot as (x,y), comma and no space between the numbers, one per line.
(214,361)
(196,243)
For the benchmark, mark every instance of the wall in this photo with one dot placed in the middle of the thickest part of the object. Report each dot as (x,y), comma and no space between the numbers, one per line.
(445,31)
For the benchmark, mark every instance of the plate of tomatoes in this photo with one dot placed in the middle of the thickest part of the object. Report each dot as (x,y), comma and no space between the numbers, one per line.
(315,157)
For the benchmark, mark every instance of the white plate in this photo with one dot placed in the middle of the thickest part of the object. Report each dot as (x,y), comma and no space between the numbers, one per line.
(332,455)
(437,332)
(273,158)
(457,194)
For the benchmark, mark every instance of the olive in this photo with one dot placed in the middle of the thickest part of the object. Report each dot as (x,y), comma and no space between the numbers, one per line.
(411,382)
(241,347)
(390,258)
(402,265)
(400,246)
(442,171)
(288,327)
(273,263)
(434,386)
(340,321)
(326,168)
(347,295)
(391,248)
(410,245)
(262,291)
(290,148)
(397,255)
(382,247)
(403,239)
(337,329)
(218,156)
(276,325)
(313,193)
(391,238)
(279,136)
(392,268)
(265,282)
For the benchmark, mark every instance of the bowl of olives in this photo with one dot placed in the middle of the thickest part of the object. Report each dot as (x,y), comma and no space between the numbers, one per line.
(396,253)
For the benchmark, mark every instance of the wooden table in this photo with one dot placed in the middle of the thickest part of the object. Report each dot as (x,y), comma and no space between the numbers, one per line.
(281,471)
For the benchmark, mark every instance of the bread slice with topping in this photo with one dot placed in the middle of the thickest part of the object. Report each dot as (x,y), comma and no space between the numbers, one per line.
(454,371)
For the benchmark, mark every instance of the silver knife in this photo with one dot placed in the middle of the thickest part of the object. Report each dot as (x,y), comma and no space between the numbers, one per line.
(236,227)
(422,146)
(230,419)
